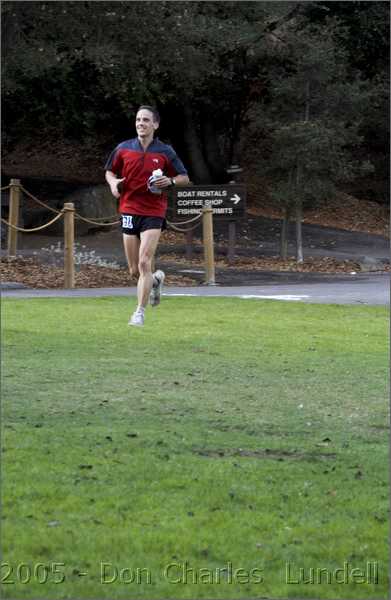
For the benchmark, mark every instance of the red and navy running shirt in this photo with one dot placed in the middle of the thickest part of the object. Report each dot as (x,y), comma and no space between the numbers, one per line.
(131,161)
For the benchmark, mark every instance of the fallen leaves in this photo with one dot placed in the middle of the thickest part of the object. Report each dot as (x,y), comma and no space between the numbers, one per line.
(274,263)
(33,274)
(342,212)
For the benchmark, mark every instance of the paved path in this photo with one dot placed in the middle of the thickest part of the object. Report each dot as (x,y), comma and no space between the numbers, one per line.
(371,289)
(368,286)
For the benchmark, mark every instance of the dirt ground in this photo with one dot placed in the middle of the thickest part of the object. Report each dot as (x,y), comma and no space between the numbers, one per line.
(101,263)
(342,212)
(337,233)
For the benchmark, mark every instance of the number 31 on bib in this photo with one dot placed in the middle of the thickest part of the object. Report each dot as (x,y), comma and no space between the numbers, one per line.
(127,222)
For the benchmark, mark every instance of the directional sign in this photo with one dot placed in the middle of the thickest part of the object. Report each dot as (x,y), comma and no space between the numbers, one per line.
(228,201)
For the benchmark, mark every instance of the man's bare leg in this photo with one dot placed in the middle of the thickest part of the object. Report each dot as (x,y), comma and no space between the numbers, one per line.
(132,250)
(148,245)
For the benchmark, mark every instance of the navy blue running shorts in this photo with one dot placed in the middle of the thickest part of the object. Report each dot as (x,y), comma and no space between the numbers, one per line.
(136,224)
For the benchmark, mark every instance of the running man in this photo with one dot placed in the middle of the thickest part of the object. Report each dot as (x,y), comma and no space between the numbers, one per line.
(138,172)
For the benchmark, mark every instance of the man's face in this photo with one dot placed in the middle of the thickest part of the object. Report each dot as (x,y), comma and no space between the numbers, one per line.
(145,125)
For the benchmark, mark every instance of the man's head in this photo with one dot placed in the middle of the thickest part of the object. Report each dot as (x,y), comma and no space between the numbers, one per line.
(147,121)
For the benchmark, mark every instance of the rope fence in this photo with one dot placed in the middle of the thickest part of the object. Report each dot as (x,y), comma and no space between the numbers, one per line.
(15,228)
(77,216)
(189,220)
(185,229)
(70,215)
(97,220)
(39,201)
(80,218)
(105,218)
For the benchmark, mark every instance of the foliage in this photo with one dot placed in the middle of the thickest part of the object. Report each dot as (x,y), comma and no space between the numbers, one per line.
(313,119)
(194,443)
(365,34)
(309,160)
(79,70)
(202,61)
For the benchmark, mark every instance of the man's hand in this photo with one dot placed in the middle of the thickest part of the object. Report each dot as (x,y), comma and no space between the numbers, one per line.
(116,187)
(114,183)
(162,182)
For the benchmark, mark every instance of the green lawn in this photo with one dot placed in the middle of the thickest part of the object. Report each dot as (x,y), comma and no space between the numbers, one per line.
(211,454)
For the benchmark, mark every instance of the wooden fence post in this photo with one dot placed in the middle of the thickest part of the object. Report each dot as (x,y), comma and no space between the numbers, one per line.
(69,239)
(13,216)
(207,227)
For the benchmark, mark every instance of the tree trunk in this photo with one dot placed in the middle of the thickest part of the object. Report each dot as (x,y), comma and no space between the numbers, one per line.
(284,232)
(299,231)
(238,112)
(199,168)
(299,215)
(233,142)
(285,221)
(307,102)
(212,150)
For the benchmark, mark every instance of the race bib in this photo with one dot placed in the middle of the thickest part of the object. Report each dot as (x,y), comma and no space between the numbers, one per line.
(127,222)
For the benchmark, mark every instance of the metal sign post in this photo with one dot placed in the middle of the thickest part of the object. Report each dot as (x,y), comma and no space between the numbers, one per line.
(231,242)
(234,171)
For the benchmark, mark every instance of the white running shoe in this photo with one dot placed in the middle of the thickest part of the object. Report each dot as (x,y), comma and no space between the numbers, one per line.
(137,319)
(158,279)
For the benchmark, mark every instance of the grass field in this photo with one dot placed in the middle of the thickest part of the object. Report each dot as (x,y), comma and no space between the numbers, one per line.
(229,449)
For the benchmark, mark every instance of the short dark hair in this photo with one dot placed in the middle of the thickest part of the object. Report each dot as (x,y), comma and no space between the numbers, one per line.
(152,109)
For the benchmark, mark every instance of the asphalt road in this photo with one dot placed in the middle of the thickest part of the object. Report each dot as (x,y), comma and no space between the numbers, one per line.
(369,289)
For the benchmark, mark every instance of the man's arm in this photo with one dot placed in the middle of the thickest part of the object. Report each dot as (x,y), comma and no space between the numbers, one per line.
(113,182)
(181,180)
(175,166)
(166,182)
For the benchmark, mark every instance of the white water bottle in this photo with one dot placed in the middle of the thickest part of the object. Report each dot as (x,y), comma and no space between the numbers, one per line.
(155,174)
